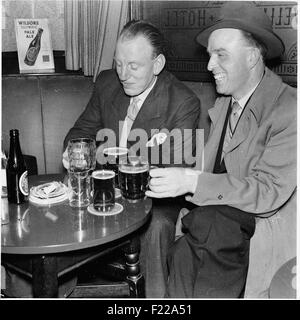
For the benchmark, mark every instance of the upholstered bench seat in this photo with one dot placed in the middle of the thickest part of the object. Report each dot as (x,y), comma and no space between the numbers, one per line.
(44,108)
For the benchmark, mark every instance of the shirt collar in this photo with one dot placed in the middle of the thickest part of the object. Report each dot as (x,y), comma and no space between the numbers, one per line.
(142,97)
(243,101)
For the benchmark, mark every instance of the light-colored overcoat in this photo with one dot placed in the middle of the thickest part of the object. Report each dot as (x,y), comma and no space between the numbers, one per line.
(261,175)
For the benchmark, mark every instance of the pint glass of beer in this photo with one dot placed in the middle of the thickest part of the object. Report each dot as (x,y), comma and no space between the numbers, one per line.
(104,190)
(113,156)
(133,178)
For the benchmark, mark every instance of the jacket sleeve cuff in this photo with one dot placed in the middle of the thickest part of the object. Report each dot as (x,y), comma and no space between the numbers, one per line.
(205,193)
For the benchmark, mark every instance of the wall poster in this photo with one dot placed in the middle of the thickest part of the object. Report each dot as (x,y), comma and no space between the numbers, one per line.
(181,21)
(34,45)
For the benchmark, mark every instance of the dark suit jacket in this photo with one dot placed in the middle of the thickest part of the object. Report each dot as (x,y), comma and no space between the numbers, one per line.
(169,105)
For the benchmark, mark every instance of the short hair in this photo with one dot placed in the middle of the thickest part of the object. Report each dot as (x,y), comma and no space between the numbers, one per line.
(253,42)
(135,28)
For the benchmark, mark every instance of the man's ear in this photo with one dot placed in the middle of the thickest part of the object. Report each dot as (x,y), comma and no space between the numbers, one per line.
(159,64)
(254,57)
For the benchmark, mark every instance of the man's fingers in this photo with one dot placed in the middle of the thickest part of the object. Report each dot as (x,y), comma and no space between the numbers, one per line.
(157,194)
(157,181)
(159,189)
(157,172)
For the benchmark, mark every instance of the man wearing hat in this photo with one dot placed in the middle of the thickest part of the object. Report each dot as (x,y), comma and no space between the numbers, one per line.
(247,187)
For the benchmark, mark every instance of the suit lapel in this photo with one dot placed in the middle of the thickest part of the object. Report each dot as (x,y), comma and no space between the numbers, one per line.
(151,110)
(120,103)
(217,115)
(265,94)
(261,99)
(241,132)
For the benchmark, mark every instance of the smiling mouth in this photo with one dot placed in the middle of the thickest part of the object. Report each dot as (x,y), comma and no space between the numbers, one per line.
(219,77)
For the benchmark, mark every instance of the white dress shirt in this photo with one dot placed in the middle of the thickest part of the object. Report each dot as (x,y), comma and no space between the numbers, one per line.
(127,123)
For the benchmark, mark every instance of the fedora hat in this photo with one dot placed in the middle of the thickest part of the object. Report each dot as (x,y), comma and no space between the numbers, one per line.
(244,15)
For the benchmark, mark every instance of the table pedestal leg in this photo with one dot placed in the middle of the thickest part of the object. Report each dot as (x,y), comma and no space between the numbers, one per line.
(134,277)
(44,277)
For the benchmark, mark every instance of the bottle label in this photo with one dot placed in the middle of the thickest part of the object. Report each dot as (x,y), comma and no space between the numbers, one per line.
(31,54)
(23,183)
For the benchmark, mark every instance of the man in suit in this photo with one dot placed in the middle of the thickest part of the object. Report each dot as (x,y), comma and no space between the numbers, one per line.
(249,174)
(163,102)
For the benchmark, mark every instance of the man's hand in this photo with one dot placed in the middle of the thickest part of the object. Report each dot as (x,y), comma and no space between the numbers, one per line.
(172,182)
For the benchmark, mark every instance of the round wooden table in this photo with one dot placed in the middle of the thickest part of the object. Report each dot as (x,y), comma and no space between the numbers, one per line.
(36,232)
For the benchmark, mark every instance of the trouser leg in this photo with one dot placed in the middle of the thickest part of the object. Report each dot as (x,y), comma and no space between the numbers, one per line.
(211,259)
(181,265)
(155,244)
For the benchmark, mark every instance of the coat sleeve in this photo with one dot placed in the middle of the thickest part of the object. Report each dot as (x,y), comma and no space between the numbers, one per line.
(272,177)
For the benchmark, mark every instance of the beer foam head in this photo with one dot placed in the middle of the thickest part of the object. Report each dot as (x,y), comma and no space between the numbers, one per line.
(103,174)
(134,169)
(115,151)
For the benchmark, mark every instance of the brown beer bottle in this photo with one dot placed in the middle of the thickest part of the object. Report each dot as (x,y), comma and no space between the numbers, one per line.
(34,49)
(16,172)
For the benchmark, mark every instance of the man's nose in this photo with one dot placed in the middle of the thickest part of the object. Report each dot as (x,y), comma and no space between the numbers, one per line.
(123,73)
(211,63)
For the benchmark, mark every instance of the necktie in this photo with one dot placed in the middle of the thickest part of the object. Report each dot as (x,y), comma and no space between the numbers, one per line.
(133,109)
(132,112)
(232,122)
(234,117)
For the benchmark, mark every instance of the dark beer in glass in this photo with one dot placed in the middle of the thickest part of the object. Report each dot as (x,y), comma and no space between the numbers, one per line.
(133,178)
(113,156)
(104,190)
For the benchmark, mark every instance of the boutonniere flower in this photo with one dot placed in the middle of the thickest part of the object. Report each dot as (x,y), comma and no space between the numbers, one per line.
(157,139)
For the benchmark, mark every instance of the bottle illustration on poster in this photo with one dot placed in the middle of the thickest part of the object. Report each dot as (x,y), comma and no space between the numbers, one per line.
(34,49)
